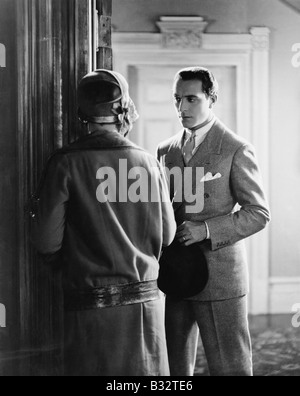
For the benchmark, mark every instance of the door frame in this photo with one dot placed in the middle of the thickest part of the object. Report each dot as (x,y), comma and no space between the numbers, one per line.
(249,54)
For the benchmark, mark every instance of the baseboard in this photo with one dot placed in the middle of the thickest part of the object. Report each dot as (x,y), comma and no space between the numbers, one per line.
(284,294)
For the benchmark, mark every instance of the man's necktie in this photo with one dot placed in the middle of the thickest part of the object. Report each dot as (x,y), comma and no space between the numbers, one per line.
(188,148)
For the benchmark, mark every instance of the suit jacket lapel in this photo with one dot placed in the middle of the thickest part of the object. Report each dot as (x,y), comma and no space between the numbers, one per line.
(209,152)
(174,156)
(174,159)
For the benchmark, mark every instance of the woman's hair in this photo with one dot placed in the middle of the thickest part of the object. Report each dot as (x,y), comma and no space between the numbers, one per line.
(209,82)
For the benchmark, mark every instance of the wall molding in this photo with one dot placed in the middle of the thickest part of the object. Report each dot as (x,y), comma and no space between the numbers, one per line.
(182,31)
(249,53)
(284,294)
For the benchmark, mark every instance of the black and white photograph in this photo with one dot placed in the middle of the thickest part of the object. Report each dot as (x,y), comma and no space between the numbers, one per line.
(149,190)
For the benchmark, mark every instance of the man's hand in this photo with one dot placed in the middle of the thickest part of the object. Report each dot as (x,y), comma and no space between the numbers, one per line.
(191,232)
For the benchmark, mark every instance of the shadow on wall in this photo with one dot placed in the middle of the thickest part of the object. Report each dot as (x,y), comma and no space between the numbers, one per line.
(294,4)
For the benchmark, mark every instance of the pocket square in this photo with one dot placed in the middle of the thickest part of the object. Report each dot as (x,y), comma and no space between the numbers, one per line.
(209,177)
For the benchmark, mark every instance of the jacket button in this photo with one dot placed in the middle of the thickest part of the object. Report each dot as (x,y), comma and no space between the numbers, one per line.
(206,196)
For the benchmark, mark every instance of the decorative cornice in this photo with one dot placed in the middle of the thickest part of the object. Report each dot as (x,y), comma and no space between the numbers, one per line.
(260,38)
(182,32)
(257,40)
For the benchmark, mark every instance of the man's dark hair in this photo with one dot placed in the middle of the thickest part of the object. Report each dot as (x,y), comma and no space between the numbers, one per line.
(209,82)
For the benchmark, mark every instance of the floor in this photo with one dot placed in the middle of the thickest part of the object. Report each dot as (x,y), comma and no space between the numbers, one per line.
(276,348)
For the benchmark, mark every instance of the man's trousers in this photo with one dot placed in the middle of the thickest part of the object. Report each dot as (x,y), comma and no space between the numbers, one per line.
(224,330)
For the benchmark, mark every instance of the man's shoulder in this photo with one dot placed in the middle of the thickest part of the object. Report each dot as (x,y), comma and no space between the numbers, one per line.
(231,140)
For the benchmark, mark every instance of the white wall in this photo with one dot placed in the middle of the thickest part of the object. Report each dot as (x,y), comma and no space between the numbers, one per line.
(285,131)
(237,16)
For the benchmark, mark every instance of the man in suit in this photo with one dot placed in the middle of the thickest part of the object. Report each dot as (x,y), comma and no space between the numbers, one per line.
(89,218)
(232,178)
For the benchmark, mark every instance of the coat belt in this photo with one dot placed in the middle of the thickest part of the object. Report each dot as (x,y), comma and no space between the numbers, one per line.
(111,296)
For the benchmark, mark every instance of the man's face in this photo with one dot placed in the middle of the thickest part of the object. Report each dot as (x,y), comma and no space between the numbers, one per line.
(192,104)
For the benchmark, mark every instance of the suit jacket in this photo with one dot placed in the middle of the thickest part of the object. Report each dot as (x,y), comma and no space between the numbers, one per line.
(233,178)
(106,243)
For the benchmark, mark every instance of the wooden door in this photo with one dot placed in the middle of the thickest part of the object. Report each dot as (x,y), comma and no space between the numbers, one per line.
(56,48)
(8,189)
